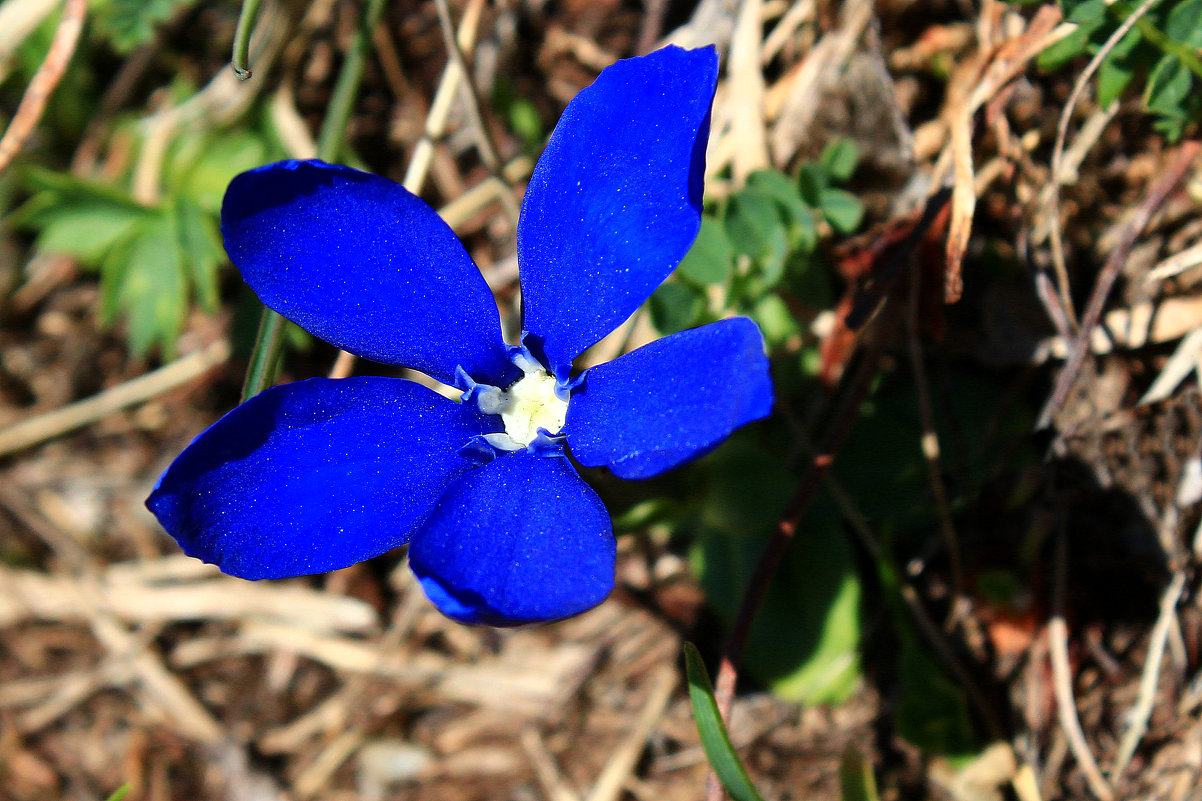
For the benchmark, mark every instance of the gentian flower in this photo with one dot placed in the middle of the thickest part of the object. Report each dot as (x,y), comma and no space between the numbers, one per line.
(319,474)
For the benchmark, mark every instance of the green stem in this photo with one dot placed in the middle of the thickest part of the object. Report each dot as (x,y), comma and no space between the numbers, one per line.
(1169,45)
(338,112)
(241,56)
(265,358)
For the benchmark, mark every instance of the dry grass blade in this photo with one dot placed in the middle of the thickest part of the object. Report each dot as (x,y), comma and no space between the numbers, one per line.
(28,595)
(28,433)
(33,102)
(1053,203)
(1155,197)
(622,761)
(1149,679)
(746,93)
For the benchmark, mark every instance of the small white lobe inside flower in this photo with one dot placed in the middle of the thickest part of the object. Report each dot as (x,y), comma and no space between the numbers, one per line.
(528,405)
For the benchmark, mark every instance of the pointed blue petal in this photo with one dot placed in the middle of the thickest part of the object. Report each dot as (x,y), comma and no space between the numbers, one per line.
(520,540)
(670,401)
(315,475)
(358,261)
(615,200)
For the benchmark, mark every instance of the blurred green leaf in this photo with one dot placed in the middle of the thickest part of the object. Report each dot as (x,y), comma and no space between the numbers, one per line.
(127,24)
(1184,23)
(149,286)
(812,179)
(815,595)
(200,246)
(119,794)
(714,739)
(839,159)
(855,776)
(85,228)
(933,710)
(1118,70)
(842,209)
(756,229)
(709,260)
(775,320)
(202,166)
(675,307)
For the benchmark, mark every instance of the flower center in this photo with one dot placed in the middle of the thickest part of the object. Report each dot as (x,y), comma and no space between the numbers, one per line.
(526,406)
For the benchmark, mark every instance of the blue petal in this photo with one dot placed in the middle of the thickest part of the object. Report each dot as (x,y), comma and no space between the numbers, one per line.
(357,260)
(315,475)
(615,200)
(520,540)
(670,401)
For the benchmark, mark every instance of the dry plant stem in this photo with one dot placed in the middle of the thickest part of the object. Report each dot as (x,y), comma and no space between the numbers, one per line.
(1062,679)
(28,433)
(1142,711)
(930,447)
(33,102)
(1053,207)
(623,760)
(436,121)
(1156,196)
(485,145)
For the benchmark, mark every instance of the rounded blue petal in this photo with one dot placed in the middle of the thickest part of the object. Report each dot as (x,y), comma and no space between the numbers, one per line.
(360,262)
(315,475)
(615,200)
(670,401)
(520,540)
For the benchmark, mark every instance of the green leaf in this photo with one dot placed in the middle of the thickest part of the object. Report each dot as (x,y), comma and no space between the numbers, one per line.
(1168,88)
(1185,23)
(933,711)
(811,180)
(855,776)
(126,24)
(119,793)
(675,307)
(842,210)
(775,320)
(803,234)
(1060,53)
(200,246)
(839,158)
(1118,70)
(145,282)
(714,739)
(815,595)
(709,260)
(86,228)
(203,166)
(756,229)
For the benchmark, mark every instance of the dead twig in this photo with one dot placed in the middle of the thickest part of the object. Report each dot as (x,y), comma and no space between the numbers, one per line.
(1156,196)
(1062,679)
(33,102)
(622,761)
(28,433)
(1142,711)
(1053,204)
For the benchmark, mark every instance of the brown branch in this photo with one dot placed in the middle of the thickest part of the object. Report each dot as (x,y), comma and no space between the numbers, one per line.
(33,102)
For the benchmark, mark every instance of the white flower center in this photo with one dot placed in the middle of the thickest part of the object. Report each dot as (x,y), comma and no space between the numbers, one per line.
(527,406)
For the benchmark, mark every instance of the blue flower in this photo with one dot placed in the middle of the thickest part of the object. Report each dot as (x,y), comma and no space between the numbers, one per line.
(320,474)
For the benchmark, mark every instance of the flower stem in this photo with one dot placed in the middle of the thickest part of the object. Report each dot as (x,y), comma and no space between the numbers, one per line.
(241,57)
(265,358)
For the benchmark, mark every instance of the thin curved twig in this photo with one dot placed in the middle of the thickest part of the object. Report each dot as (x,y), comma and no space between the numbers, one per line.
(33,102)
(1053,205)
